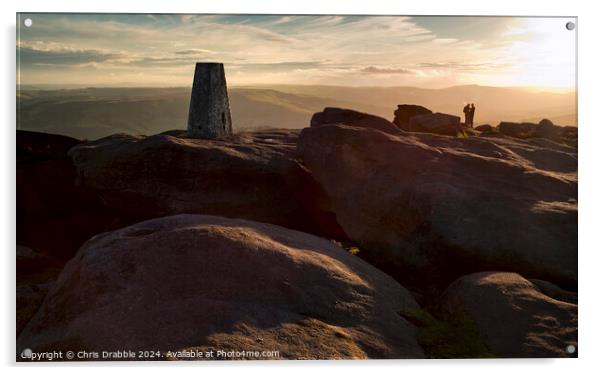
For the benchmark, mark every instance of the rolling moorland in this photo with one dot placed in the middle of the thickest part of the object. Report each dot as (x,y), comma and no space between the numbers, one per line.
(92,113)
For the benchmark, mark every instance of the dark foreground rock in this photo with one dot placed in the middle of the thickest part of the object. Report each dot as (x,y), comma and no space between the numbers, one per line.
(35,274)
(252,175)
(427,206)
(405,112)
(353,118)
(42,146)
(193,281)
(54,214)
(29,298)
(514,316)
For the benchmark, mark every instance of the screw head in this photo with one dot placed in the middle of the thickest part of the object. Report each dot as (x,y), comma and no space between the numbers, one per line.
(28,22)
(570,25)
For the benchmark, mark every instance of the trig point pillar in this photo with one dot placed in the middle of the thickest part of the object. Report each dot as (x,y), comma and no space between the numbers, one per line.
(209,114)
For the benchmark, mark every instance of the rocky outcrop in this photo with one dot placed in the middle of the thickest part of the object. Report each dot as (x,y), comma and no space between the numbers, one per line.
(484,128)
(54,215)
(194,281)
(42,146)
(517,130)
(514,316)
(250,175)
(569,133)
(405,112)
(547,129)
(352,118)
(437,123)
(427,206)
(544,129)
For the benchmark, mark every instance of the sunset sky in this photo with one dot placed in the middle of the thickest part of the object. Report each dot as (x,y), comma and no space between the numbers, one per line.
(433,52)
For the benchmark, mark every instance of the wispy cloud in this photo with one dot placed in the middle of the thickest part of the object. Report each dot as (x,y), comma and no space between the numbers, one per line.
(353,50)
(57,54)
(460,66)
(379,70)
(195,51)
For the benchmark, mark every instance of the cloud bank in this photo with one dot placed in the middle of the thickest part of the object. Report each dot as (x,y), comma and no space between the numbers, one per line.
(160,50)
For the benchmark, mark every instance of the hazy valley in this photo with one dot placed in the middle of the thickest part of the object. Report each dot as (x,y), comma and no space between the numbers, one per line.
(91,113)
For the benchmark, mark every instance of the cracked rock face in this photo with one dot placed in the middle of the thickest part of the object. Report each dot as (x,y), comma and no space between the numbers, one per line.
(194,281)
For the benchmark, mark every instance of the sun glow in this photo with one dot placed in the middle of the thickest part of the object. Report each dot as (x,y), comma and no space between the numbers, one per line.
(160,50)
(541,54)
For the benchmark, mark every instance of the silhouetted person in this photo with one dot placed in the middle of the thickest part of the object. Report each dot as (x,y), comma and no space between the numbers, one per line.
(466,111)
(471,114)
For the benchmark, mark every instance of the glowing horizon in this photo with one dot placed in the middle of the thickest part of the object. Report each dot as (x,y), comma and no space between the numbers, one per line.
(429,52)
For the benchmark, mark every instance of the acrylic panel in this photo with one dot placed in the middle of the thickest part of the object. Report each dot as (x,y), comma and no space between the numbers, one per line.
(224,187)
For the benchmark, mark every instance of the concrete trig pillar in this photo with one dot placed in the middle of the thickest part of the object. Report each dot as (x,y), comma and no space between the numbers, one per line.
(209,113)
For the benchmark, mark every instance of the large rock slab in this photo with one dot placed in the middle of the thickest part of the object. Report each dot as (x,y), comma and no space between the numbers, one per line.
(437,123)
(405,112)
(352,118)
(517,130)
(544,129)
(484,128)
(515,317)
(195,281)
(250,175)
(428,206)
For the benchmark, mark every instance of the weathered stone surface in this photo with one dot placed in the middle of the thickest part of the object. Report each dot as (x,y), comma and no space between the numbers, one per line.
(569,132)
(517,130)
(194,281)
(547,129)
(484,128)
(545,123)
(514,316)
(437,123)
(405,112)
(250,175)
(544,129)
(429,206)
(352,118)
(554,291)
(209,113)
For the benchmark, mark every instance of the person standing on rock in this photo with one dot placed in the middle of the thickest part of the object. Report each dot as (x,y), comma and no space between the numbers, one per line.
(466,111)
(471,115)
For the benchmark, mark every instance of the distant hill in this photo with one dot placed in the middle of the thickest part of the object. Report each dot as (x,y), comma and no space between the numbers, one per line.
(96,112)
(494,104)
